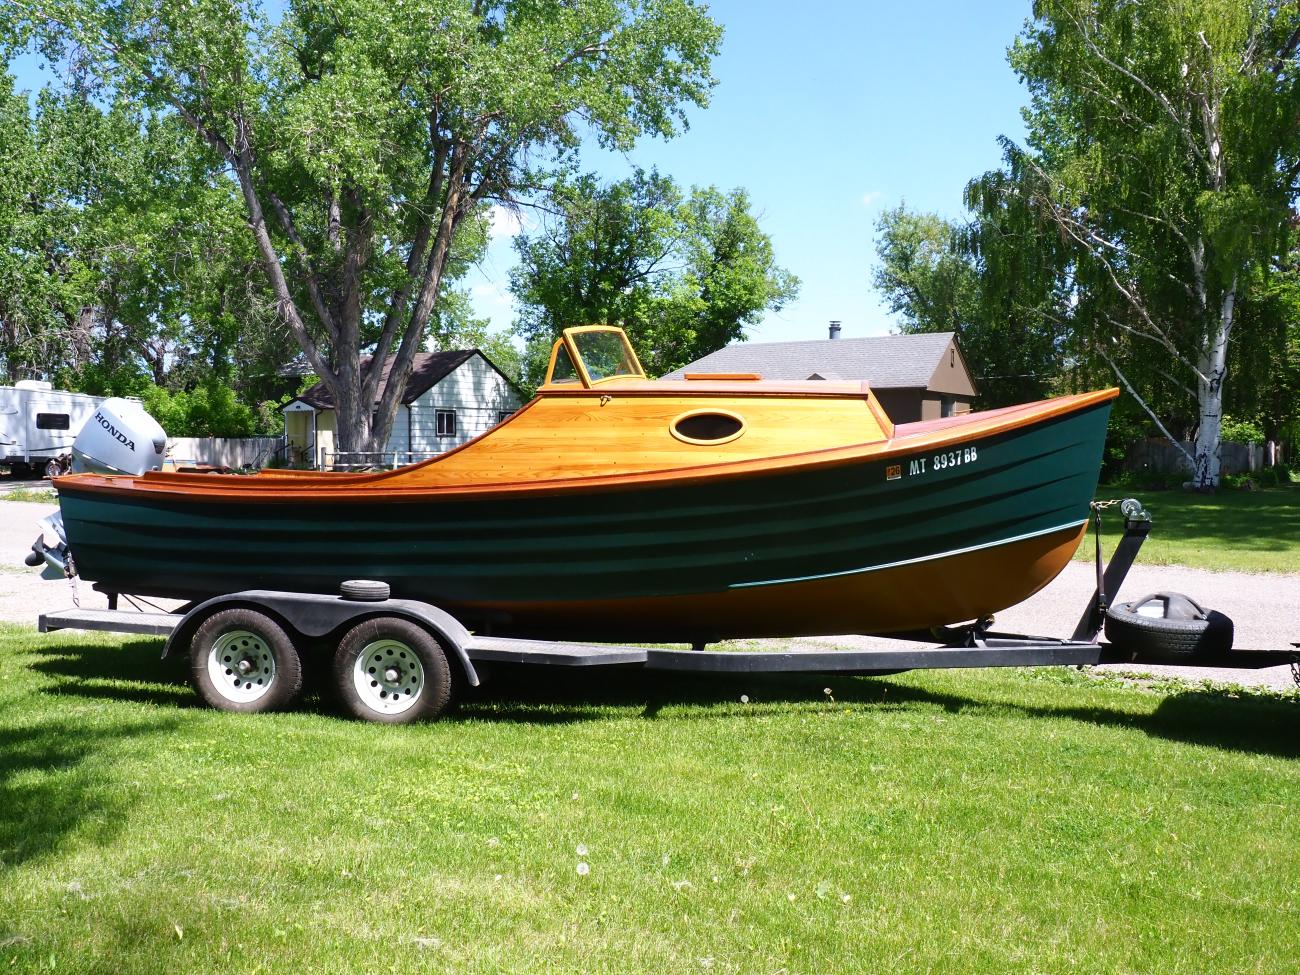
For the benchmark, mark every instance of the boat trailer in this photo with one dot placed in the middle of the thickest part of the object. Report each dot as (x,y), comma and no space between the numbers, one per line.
(374,681)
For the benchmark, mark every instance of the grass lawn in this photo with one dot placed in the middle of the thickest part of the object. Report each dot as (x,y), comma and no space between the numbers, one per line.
(958,822)
(1247,531)
(33,495)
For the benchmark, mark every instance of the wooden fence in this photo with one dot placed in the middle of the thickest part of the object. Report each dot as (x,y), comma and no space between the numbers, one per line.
(223,451)
(1158,454)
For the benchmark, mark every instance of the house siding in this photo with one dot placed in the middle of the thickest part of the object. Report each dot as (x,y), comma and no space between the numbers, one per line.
(902,405)
(398,436)
(952,376)
(477,393)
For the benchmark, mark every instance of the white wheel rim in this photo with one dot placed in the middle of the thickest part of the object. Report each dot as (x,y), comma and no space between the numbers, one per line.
(241,666)
(388,676)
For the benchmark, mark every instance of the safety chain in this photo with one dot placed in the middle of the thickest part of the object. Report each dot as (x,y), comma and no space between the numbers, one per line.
(1133,511)
(1103,602)
(1295,666)
(70,572)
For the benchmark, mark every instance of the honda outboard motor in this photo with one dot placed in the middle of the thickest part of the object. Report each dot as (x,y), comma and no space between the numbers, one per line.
(120,438)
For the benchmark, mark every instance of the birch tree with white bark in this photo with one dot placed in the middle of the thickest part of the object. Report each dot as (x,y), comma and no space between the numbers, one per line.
(1162,156)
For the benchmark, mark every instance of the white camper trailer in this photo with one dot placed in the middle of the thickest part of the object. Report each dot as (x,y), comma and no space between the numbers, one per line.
(38,424)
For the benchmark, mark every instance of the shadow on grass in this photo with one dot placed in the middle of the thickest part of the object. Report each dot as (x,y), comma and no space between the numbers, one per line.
(55,778)
(129,672)
(1218,719)
(1239,522)
(1249,723)
(1267,520)
(57,772)
(549,696)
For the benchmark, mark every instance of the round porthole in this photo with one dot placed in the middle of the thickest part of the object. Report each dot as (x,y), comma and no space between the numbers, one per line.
(707,427)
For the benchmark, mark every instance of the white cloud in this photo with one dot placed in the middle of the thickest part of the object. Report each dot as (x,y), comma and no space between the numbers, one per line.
(872,197)
(492,294)
(505,222)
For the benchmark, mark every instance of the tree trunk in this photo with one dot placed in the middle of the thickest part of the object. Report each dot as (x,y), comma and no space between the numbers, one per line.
(353,416)
(1213,366)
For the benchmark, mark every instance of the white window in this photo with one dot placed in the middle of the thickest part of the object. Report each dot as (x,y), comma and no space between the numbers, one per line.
(503,415)
(445,422)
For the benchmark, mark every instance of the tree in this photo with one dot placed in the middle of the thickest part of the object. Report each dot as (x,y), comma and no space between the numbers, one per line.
(123,255)
(683,274)
(1269,313)
(943,277)
(922,274)
(363,135)
(46,281)
(1160,165)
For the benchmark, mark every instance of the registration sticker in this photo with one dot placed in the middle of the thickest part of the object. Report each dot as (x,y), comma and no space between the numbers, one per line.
(893,472)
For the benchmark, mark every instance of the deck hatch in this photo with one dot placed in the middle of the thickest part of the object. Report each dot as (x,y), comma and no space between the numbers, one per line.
(707,427)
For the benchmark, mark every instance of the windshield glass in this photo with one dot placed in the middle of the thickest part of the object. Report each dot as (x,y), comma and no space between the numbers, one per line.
(563,371)
(606,355)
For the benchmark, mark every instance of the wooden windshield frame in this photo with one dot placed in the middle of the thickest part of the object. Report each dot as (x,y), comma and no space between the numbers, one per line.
(568,341)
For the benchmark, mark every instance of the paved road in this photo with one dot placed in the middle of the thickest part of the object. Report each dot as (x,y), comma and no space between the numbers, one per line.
(1264,608)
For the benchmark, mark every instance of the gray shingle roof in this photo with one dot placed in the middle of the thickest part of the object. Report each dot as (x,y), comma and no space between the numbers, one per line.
(885,361)
(427,369)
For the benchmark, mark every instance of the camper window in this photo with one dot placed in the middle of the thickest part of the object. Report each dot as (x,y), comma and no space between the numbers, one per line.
(51,421)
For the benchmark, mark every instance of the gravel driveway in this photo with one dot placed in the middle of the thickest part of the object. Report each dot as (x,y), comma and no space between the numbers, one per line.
(1264,608)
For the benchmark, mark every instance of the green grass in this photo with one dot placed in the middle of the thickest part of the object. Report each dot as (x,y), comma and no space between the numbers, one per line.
(1246,531)
(958,822)
(34,495)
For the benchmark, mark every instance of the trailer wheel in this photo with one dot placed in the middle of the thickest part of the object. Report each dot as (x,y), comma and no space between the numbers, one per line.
(1183,630)
(392,671)
(242,660)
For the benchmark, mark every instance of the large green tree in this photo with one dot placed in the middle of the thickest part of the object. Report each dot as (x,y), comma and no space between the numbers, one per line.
(1268,357)
(941,276)
(683,273)
(47,277)
(126,262)
(364,135)
(1160,166)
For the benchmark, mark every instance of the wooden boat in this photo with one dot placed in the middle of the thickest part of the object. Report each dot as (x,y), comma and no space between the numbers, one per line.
(616,507)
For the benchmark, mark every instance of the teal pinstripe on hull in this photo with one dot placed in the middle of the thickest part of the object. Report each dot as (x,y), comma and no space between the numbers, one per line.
(550,550)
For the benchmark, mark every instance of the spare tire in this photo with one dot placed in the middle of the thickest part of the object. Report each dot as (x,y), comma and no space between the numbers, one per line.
(364,590)
(1168,626)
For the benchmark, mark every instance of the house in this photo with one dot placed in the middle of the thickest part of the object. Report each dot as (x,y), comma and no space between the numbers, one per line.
(915,377)
(451,398)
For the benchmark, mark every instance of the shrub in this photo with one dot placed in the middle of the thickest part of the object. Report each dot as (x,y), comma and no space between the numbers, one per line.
(1240,431)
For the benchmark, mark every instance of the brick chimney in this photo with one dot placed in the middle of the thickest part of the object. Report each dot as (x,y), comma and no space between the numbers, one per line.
(835,330)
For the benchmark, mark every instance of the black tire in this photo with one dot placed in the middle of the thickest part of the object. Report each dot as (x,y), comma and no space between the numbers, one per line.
(391,671)
(1189,633)
(364,590)
(54,469)
(232,639)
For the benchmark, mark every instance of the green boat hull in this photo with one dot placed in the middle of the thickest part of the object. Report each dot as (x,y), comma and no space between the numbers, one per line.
(533,563)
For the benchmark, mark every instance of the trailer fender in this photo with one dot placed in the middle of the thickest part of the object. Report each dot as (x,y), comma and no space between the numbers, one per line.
(316,615)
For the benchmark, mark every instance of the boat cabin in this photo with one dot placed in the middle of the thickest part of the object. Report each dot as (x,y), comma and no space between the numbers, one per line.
(598,414)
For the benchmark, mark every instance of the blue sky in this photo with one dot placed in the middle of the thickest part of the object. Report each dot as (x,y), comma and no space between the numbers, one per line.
(828,113)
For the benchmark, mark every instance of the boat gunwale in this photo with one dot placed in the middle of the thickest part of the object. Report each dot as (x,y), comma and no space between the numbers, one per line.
(361,488)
